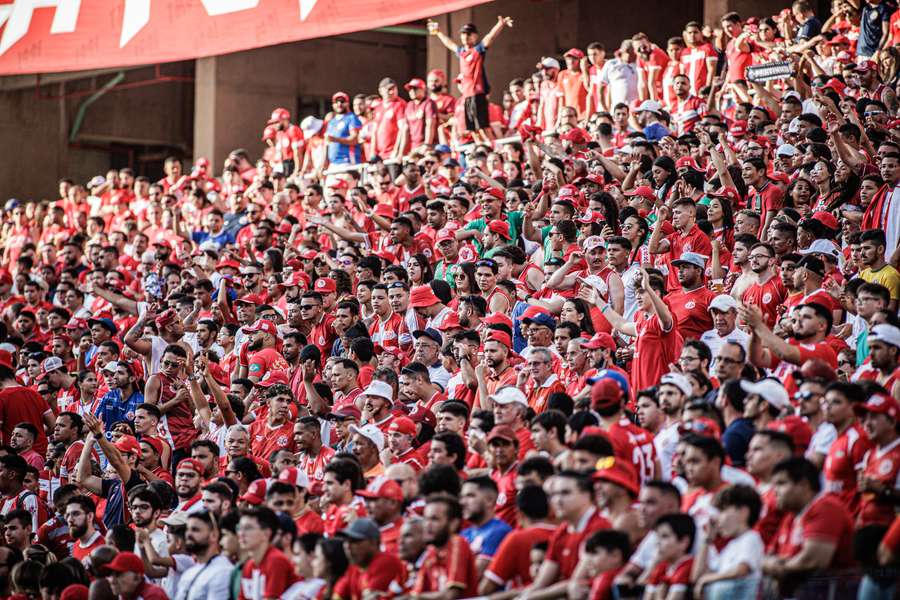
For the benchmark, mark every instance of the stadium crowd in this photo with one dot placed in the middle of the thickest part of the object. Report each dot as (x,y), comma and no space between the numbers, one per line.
(630,333)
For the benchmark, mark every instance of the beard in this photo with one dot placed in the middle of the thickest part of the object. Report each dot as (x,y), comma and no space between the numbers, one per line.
(193,547)
(466,322)
(78,531)
(255,345)
(186,493)
(441,538)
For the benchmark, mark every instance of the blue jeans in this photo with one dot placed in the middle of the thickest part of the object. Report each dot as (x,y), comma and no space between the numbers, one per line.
(746,588)
(870,590)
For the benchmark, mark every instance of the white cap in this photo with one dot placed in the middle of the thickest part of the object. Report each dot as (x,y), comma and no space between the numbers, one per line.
(680,381)
(791,94)
(594,241)
(550,62)
(97,181)
(787,150)
(794,126)
(509,395)
(724,303)
(371,433)
(111,366)
(380,389)
(825,247)
(650,106)
(769,390)
(889,334)
(311,126)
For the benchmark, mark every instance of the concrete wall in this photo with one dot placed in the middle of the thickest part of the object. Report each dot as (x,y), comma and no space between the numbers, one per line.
(237,92)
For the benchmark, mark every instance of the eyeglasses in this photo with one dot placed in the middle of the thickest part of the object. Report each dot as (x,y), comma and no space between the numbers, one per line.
(759,257)
(805,395)
(684,359)
(172,363)
(487,262)
(729,361)
(537,363)
(308,306)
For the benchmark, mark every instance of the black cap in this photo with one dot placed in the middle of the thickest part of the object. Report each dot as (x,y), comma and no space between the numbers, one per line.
(468,28)
(814,264)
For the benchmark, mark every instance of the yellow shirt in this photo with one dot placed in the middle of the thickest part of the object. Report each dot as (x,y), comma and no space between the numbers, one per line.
(886,276)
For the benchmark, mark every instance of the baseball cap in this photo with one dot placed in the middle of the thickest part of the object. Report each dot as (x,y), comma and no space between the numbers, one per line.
(502,432)
(824,247)
(600,340)
(889,334)
(278,114)
(690,258)
(362,529)
(128,444)
(422,296)
(421,414)
(431,333)
(126,562)
(403,425)
(380,389)
(294,476)
(175,519)
(825,218)
(500,319)
(815,369)
(499,227)
(542,320)
(451,321)
(606,393)
(468,28)
(680,381)
(345,412)
(866,65)
(549,62)
(383,487)
(574,53)
(153,442)
(6,359)
(644,191)
(796,428)
(786,150)
(723,303)
(341,96)
(509,395)
(649,106)
(881,404)
(253,299)
(325,285)
(444,235)
(263,325)
(273,378)
(50,364)
(770,390)
(256,492)
(617,471)
(105,323)
(812,263)
(591,242)
(415,83)
(371,433)
(191,463)
(500,337)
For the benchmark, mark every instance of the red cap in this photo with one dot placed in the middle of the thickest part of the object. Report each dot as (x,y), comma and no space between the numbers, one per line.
(499,227)
(591,216)
(576,135)
(738,128)
(729,193)
(75,591)
(533,311)
(701,426)
(836,85)
(415,83)
(499,336)
(799,431)
(866,65)
(574,53)
(383,487)
(780,176)
(443,235)
(340,95)
(166,318)
(274,378)
(6,359)
(826,218)
(451,321)
(256,492)
(128,444)
(687,162)
(126,562)
(341,185)
(600,340)
(297,279)
(498,319)
(154,442)
(423,415)
(385,210)
(294,476)
(263,325)
(269,133)
(617,471)
(422,296)
(254,299)
(838,40)
(880,404)
(502,432)
(403,425)
(326,285)
(606,393)
(495,192)
(228,264)
(192,464)
(644,191)
(279,114)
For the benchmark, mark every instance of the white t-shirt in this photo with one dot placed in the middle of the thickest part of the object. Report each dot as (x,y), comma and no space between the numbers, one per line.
(715,341)
(822,439)
(209,581)
(183,562)
(747,549)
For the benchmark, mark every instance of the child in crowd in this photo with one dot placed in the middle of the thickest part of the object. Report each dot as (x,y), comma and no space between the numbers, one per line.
(670,579)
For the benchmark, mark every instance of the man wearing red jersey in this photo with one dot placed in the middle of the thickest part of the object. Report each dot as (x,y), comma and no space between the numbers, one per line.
(419,126)
(764,197)
(295,503)
(768,448)
(690,304)
(879,481)
(687,109)
(651,62)
(699,58)
(571,82)
(313,455)
(539,382)
(847,452)
(687,237)
(437,91)
(288,142)
(658,339)
(264,343)
(816,534)
(267,573)
(339,485)
(768,292)
(503,445)
(389,113)
(884,358)
(571,497)
(312,310)
(630,442)
(738,49)
(473,85)
(80,520)
(275,431)
(448,565)
(373,571)
(384,502)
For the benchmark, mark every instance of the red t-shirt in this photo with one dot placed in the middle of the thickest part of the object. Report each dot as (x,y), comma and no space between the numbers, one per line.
(23,405)
(387,125)
(506,496)
(269,579)
(694,61)
(384,570)
(635,444)
(334,515)
(692,241)
(737,62)
(657,62)
(768,297)
(309,522)
(571,84)
(81,552)
(471,70)
(768,197)
(566,541)
(691,311)
(654,350)
(675,577)
(882,465)
(265,439)
(266,361)
(824,519)
(452,566)
(416,115)
(512,562)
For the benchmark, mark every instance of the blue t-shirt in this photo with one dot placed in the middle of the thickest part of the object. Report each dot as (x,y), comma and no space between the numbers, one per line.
(222,238)
(655,132)
(811,28)
(342,126)
(736,439)
(870,31)
(112,409)
(485,540)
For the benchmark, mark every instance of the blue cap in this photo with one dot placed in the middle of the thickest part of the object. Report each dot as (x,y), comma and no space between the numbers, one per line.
(429,332)
(542,319)
(12,203)
(610,374)
(442,148)
(107,323)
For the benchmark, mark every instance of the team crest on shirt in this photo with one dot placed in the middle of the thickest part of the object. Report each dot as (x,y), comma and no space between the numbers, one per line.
(501,498)
(420,114)
(690,305)
(767,297)
(129,416)
(885,467)
(321,340)
(389,113)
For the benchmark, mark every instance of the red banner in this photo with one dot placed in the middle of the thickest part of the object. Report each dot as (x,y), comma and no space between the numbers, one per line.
(45,36)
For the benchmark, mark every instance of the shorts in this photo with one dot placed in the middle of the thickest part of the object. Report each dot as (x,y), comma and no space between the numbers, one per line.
(476,112)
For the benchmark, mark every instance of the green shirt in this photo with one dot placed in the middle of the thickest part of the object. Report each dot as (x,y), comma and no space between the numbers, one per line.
(515,219)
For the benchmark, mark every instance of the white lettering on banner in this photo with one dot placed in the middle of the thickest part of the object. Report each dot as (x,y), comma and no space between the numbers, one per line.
(17,17)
